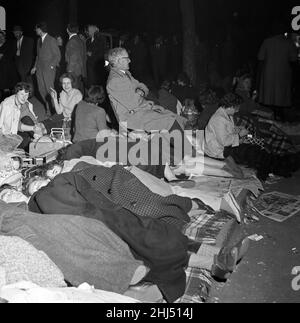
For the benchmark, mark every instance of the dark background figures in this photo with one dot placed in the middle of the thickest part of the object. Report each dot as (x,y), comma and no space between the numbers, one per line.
(8,74)
(175,55)
(76,56)
(62,65)
(138,53)
(95,48)
(159,60)
(24,54)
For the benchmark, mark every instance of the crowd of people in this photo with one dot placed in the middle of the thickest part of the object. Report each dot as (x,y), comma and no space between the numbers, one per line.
(141,218)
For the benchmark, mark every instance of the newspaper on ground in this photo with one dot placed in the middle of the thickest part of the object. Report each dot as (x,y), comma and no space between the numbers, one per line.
(278,206)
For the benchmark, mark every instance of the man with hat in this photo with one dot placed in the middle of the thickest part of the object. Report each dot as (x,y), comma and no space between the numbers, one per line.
(24,54)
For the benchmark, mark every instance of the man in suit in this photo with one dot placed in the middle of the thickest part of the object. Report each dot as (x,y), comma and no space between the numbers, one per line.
(24,54)
(95,46)
(47,60)
(127,96)
(76,56)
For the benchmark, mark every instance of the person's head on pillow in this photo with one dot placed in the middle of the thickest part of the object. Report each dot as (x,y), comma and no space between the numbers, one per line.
(9,194)
(35,183)
(231,102)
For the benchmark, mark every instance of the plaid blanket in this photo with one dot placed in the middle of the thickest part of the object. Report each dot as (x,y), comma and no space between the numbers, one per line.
(202,228)
(274,141)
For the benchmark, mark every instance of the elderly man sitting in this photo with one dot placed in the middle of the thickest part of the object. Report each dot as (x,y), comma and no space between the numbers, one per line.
(127,96)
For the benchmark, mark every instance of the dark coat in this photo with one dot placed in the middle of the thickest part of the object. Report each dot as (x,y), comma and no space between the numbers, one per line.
(161,246)
(25,61)
(76,56)
(95,62)
(8,73)
(124,189)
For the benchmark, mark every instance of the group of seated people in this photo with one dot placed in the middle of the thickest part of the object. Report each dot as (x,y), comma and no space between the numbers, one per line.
(128,204)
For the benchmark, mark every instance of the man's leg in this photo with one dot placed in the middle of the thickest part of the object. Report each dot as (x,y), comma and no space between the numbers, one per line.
(49,78)
(41,88)
(27,136)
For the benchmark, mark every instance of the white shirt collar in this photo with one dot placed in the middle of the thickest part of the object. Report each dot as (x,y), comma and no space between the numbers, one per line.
(17,104)
(72,35)
(43,37)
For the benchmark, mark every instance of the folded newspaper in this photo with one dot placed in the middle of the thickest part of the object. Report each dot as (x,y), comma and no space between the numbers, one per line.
(278,206)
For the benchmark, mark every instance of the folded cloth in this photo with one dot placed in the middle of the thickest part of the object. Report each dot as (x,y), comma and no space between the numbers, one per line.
(9,143)
(84,249)
(21,261)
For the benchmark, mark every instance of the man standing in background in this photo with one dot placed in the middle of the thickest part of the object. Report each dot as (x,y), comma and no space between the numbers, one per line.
(47,60)
(76,56)
(95,46)
(24,49)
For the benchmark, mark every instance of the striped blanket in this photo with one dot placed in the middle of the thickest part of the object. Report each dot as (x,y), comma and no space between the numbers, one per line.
(275,141)
(202,228)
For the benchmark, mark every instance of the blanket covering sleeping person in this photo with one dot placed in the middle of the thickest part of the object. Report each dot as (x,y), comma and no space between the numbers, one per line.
(84,249)
(160,245)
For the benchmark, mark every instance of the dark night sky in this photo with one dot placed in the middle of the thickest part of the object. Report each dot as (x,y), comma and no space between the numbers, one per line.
(213,16)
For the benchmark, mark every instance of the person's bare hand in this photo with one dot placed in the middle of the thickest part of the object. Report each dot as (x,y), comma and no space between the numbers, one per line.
(53,94)
(244,132)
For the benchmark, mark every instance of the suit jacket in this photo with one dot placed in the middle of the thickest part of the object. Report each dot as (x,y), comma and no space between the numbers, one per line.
(76,56)
(48,53)
(96,48)
(130,107)
(25,61)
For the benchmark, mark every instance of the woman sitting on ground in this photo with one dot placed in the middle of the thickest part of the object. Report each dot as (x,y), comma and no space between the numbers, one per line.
(90,118)
(224,139)
(17,116)
(65,105)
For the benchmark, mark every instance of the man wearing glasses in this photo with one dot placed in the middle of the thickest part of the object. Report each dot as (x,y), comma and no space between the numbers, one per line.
(128,98)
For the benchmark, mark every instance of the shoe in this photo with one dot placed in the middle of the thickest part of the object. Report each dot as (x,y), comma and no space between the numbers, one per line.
(224,264)
(140,273)
(228,258)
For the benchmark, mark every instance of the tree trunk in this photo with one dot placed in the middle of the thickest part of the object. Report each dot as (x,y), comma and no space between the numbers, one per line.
(189,35)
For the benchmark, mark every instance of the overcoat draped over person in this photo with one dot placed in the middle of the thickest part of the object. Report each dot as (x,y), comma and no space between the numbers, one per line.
(161,246)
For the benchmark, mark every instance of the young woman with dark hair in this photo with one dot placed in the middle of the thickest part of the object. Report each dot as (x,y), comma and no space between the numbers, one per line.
(64,105)
(90,118)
